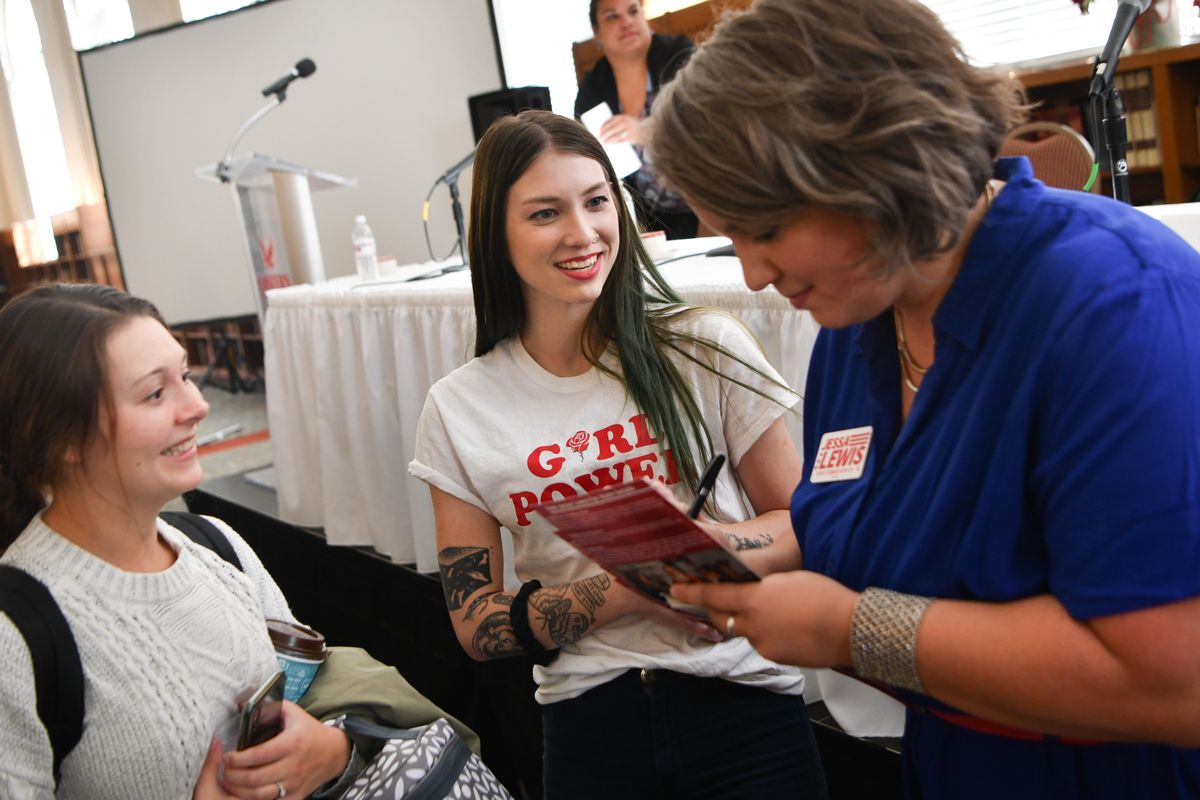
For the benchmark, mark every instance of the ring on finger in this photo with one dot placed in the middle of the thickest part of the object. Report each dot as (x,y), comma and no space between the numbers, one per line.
(282,790)
(729,626)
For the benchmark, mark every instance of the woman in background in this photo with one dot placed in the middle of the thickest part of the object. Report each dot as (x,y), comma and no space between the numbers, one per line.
(635,65)
(589,371)
(1000,520)
(98,414)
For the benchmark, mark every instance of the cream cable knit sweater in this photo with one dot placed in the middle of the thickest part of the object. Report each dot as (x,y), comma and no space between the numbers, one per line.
(165,658)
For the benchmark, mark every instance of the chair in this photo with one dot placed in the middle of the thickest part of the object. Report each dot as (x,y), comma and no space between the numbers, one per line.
(1060,156)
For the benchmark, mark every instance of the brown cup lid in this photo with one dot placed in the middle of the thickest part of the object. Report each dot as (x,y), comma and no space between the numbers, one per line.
(295,639)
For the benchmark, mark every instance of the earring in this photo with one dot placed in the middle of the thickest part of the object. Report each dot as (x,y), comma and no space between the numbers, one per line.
(595,239)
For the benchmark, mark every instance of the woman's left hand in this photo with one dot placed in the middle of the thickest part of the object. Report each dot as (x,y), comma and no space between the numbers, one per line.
(799,617)
(207,787)
(302,757)
(621,128)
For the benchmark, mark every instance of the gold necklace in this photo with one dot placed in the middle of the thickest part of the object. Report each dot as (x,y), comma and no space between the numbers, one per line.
(910,371)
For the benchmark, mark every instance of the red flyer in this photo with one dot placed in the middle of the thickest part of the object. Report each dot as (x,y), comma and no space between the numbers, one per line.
(643,539)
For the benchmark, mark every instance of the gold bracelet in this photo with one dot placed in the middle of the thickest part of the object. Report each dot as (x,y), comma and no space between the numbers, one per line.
(883,637)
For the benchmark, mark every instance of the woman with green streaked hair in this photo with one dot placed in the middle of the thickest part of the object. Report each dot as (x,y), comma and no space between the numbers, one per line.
(590,371)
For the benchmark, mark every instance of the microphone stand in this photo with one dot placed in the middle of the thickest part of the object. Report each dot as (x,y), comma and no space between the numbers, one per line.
(450,178)
(1111,134)
(272,104)
(456,206)
(1116,136)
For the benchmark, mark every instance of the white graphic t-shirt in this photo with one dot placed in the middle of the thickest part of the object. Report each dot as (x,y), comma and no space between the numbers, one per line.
(503,434)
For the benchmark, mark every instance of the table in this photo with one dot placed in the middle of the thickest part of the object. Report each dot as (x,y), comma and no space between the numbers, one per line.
(348,365)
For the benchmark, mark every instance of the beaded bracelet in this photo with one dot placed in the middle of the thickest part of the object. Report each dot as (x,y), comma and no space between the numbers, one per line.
(883,637)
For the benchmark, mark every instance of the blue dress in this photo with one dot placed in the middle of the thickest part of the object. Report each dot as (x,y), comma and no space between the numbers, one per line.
(1054,447)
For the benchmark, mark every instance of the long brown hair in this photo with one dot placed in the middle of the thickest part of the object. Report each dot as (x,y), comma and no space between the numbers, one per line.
(637,312)
(53,381)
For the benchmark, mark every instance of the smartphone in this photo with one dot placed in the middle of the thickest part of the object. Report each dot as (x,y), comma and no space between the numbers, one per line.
(261,717)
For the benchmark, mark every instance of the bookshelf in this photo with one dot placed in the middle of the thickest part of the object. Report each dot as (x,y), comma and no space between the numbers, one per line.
(85,254)
(1161,91)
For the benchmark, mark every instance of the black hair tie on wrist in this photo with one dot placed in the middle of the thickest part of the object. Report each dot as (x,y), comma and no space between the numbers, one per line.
(519,615)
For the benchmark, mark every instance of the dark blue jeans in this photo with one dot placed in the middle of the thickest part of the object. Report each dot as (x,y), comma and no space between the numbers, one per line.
(659,735)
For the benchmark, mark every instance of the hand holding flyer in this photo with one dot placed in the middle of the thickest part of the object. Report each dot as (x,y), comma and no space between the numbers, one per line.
(640,537)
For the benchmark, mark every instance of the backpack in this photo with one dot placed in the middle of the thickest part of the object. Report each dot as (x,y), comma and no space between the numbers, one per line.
(57,670)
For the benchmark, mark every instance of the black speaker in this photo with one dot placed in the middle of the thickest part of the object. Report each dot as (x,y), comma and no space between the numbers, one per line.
(491,106)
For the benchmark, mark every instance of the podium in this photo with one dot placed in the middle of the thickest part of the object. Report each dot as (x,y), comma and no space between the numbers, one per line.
(274,203)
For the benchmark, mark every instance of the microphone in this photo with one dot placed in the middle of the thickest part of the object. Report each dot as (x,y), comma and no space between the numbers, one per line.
(1102,74)
(304,67)
(452,173)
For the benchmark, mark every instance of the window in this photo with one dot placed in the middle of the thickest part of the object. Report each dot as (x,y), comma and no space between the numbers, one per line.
(38,135)
(97,22)
(535,45)
(199,9)
(1030,31)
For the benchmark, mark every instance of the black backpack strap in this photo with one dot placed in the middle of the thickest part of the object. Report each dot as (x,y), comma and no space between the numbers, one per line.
(202,532)
(57,671)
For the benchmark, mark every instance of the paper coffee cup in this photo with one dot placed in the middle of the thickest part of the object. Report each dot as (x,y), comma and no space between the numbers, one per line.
(300,651)
(656,246)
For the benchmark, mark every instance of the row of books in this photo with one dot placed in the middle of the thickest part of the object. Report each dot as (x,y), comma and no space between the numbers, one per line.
(1137,96)
(1137,93)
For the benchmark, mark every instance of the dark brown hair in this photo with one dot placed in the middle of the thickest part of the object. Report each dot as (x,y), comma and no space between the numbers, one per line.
(865,107)
(53,379)
(637,313)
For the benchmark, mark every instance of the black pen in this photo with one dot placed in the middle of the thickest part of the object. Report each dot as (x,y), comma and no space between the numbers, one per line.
(707,481)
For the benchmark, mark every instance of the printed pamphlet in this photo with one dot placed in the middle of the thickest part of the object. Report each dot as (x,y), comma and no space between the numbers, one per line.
(643,539)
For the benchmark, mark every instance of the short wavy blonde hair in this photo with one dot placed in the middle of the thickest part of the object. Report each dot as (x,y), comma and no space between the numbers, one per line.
(865,107)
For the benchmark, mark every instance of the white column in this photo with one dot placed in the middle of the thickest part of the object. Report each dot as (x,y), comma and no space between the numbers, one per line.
(66,84)
(15,204)
(149,15)
(294,197)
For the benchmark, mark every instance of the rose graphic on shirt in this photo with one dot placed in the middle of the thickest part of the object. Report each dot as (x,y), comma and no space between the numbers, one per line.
(579,442)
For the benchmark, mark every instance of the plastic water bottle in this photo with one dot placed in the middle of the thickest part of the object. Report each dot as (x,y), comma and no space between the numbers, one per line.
(364,250)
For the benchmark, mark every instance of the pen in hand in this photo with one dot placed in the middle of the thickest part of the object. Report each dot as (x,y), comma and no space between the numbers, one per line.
(707,481)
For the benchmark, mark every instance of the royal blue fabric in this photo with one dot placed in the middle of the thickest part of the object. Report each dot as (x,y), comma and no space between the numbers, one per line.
(1054,447)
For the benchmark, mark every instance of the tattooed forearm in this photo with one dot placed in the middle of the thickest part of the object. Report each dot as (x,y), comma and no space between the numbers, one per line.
(555,615)
(590,592)
(564,612)
(476,604)
(494,637)
(564,620)
(757,542)
(483,599)
(464,571)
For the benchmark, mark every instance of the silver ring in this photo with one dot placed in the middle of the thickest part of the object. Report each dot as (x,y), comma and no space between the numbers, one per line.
(729,626)
(282,789)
